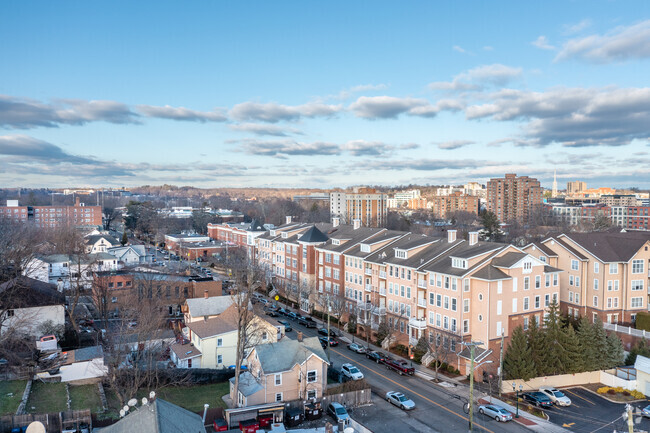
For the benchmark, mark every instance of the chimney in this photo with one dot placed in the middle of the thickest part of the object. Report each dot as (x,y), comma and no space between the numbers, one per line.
(473,238)
(451,236)
(336,221)
(205,294)
(76,202)
(356,223)
(288,219)
(299,336)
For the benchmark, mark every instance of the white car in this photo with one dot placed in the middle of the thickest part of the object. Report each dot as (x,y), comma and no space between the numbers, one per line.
(496,412)
(400,400)
(351,372)
(356,348)
(555,395)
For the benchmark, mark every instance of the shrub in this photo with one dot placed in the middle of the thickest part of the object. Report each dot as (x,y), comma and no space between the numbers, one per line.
(638,395)
(626,393)
(450,368)
(611,391)
(603,390)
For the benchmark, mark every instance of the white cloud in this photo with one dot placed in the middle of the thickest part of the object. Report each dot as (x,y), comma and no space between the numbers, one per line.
(577,27)
(182,113)
(542,43)
(264,129)
(459,49)
(454,144)
(388,107)
(619,44)
(272,112)
(477,78)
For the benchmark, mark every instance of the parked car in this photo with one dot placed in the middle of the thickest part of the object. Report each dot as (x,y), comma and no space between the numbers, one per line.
(338,412)
(496,412)
(292,315)
(270,312)
(400,400)
(324,340)
(282,311)
(402,367)
(307,322)
(263,301)
(356,348)
(349,371)
(646,411)
(375,356)
(287,325)
(555,395)
(323,331)
(537,398)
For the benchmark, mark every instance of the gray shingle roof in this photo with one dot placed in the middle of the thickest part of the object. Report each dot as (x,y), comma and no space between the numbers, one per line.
(572,250)
(543,248)
(610,247)
(92,239)
(490,273)
(508,259)
(248,385)
(283,355)
(159,416)
(33,293)
(313,235)
(211,306)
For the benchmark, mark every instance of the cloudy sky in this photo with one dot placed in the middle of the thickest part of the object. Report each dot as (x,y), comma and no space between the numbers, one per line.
(323,94)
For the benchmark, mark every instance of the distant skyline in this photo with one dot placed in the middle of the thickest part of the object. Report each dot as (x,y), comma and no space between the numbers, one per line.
(323,94)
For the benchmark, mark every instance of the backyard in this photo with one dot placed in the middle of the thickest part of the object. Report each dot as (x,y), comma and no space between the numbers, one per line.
(46,398)
(11,392)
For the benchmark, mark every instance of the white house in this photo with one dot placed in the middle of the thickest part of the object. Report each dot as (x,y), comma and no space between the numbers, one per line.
(130,254)
(64,269)
(84,365)
(100,243)
(27,306)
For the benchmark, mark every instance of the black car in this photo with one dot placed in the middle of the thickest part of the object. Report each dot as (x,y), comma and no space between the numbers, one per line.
(538,399)
(375,356)
(307,322)
(270,312)
(332,341)
(323,331)
(292,315)
(282,311)
(287,326)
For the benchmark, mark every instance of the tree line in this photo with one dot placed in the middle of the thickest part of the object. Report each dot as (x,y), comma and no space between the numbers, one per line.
(560,347)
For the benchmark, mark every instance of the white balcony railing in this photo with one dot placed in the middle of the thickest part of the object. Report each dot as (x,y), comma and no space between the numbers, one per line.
(417,323)
(362,305)
(382,274)
(422,303)
(381,311)
(368,288)
(382,291)
(368,271)
(422,284)
(413,341)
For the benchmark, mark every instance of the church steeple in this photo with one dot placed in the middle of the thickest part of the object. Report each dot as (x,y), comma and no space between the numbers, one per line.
(554,193)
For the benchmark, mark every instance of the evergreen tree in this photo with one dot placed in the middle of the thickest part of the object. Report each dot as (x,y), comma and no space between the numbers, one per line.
(600,346)
(574,353)
(536,343)
(614,350)
(518,361)
(125,238)
(586,337)
(555,356)
(640,348)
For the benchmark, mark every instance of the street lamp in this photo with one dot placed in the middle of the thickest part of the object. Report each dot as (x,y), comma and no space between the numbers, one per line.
(514,389)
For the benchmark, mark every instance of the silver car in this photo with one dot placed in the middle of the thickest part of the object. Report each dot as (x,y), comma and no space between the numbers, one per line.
(338,412)
(555,395)
(496,412)
(400,400)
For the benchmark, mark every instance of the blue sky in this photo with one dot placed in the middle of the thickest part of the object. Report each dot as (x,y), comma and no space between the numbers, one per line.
(307,94)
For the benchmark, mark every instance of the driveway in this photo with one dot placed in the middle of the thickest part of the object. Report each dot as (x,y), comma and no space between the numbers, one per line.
(590,412)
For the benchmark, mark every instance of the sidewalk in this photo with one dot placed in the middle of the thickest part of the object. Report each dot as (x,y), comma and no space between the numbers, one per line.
(527,420)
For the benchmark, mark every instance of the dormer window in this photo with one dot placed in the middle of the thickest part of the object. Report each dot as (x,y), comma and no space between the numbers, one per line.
(365,248)
(336,242)
(285,235)
(400,254)
(458,263)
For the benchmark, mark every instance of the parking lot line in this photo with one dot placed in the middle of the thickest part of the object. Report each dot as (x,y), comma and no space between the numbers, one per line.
(573,393)
(413,392)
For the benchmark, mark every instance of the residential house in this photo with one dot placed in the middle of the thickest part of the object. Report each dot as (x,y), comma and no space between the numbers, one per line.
(30,307)
(157,416)
(130,255)
(66,270)
(100,243)
(81,366)
(216,340)
(283,371)
(196,309)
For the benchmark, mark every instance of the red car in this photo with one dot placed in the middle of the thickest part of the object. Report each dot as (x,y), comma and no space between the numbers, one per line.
(399,366)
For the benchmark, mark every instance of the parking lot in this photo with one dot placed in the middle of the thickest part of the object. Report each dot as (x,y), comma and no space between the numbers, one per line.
(590,412)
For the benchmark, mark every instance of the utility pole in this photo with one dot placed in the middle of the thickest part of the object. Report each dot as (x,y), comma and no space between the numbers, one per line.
(471,386)
(501,361)
(630,420)
(329,341)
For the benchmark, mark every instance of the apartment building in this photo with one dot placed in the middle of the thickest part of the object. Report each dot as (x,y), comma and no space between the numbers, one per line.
(606,273)
(445,206)
(619,200)
(237,234)
(364,204)
(513,198)
(575,187)
(54,216)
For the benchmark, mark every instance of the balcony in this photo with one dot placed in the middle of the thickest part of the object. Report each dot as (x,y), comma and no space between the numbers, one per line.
(417,323)
(364,306)
(382,291)
(374,326)
(368,288)
(368,271)
(422,284)
(413,341)
(382,274)
(422,303)
(380,311)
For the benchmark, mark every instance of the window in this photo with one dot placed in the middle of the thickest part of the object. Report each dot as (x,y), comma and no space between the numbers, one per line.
(547,280)
(311,394)
(446,282)
(113,299)
(612,285)
(438,280)
(570,296)
(596,267)
(538,282)
(432,299)
(454,282)
(446,303)
(466,285)
(453,325)
(637,285)
(526,283)
(278,379)
(465,305)
(574,265)
(555,280)
(536,301)
(637,302)
(613,268)
(637,266)
(278,396)
(499,307)
(438,320)
(401,327)
(431,318)
(514,305)
(577,298)
(264,336)
(547,300)
(595,301)
(445,322)
(480,296)
(570,280)
(528,266)
(453,304)
(311,376)
(390,288)
(438,300)
(219,342)
(526,303)
(465,326)
(402,291)
(596,284)
(219,359)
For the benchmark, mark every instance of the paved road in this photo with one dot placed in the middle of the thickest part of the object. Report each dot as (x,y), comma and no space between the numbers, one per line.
(437,409)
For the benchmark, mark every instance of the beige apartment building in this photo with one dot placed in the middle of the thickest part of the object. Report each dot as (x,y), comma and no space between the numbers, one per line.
(444,206)
(513,198)
(606,273)
(363,204)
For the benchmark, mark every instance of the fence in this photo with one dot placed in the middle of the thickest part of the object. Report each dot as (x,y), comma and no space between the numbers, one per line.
(626,330)
(53,422)
(350,398)
(608,378)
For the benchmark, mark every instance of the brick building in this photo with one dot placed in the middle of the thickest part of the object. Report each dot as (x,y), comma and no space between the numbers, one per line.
(513,198)
(54,216)
(444,206)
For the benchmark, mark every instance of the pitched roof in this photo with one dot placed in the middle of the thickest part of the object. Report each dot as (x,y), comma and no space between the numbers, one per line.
(222,324)
(33,293)
(85,354)
(490,273)
(158,416)
(543,248)
(93,239)
(255,226)
(184,351)
(283,355)
(508,260)
(211,306)
(568,247)
(313,235)
(248,385)
(610,247)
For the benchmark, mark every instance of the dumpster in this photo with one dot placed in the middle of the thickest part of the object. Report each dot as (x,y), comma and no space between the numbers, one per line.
(313,411)
(294,417)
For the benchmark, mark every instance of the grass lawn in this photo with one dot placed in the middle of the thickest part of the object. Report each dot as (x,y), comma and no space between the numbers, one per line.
(85,397)
(193,398)
(11,392)
(113,411)
(47,398)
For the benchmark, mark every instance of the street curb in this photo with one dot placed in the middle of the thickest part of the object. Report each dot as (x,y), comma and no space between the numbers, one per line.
(607,398)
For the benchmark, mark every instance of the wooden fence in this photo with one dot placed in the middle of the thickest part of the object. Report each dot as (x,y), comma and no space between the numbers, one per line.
(53,422)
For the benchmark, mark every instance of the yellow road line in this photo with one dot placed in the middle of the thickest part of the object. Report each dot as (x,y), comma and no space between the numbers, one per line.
(419,395)
(573,393)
